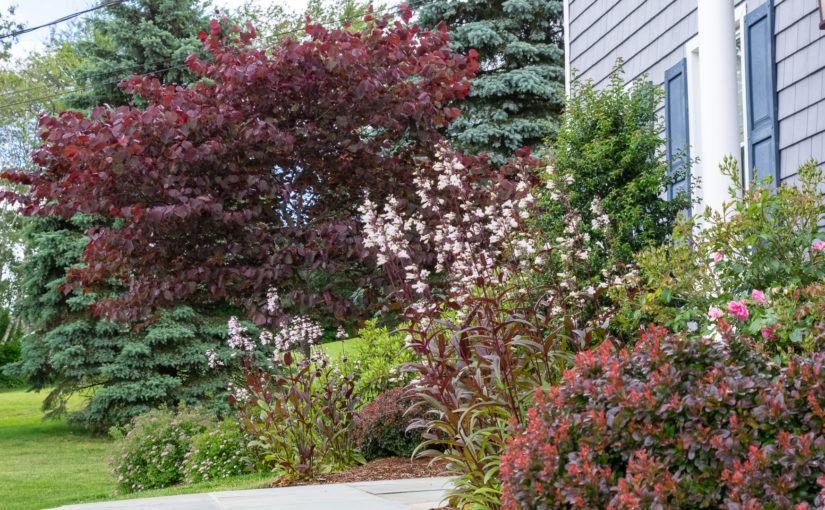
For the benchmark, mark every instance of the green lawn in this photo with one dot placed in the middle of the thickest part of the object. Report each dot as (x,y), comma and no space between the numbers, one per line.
(349,347)
(49,464)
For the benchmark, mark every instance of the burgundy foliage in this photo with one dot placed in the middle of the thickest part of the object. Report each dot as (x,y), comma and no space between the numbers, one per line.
(251,178)
(673,424)
(381,426)
(300,417)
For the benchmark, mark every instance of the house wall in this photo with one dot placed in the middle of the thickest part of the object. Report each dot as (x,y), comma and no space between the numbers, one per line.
(800,82)
(650,36)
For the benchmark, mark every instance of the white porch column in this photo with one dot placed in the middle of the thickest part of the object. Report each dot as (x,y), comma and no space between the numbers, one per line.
(719,96)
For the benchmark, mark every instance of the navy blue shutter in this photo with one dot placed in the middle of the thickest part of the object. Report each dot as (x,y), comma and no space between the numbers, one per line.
(760,83)
(677,127)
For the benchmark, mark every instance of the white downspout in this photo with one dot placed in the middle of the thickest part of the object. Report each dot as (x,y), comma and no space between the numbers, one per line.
(718,89)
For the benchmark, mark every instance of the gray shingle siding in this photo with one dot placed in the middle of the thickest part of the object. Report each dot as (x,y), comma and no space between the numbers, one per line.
(643,33)
(649,35)
(800,81)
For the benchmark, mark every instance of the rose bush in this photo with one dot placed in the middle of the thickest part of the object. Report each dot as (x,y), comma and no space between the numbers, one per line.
(759,264)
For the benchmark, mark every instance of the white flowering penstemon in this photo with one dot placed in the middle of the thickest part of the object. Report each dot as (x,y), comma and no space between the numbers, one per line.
(466,226)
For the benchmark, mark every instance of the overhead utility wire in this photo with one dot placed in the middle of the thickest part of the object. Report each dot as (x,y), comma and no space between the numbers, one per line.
(61,20)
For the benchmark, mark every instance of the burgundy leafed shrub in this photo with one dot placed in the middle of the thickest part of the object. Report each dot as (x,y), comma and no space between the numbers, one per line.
(252,177)
(381,426)
(673,424)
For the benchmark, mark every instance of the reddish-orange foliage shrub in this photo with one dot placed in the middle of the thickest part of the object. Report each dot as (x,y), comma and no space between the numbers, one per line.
(673,424)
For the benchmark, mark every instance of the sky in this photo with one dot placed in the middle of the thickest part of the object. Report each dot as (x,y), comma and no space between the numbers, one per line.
(39,12)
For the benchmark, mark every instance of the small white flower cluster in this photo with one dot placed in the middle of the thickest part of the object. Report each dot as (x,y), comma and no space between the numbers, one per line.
(237,337)
(601,220)
(273,305)
(240,394)
(299,330)
(469,228)
(212,359)
(385,231)
(319,357)
(341,334)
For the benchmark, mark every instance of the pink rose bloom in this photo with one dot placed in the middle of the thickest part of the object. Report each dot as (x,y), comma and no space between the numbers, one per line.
(717,256)
(819,245)
(767,332)
(738,309)
(714,313)
(758,296)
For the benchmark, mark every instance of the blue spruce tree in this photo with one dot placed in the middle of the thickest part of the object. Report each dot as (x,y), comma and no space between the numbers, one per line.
(122,370)
(517,97)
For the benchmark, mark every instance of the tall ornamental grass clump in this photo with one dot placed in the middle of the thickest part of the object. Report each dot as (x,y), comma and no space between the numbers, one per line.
(673,423)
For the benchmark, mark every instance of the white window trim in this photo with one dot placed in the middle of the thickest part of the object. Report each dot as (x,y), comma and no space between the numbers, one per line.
(694,113)
(739,14)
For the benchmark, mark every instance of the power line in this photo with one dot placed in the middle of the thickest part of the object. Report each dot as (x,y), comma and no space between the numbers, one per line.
(410,4)
(61,20)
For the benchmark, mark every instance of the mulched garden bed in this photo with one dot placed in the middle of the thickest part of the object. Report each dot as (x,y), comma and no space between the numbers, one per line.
(392,468)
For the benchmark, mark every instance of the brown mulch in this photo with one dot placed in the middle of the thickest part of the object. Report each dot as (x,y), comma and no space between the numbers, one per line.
(392,468)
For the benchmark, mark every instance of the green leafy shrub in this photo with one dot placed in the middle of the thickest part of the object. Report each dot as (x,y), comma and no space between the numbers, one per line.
(381,427)
(674,423)
(609,149)
(760,255)
(10,353)
(152,454)
(379,361)
(217,453)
